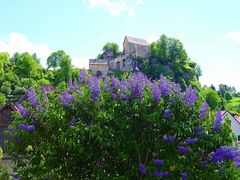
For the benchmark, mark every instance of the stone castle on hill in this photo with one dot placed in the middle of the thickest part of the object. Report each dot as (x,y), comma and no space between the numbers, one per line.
(126,61)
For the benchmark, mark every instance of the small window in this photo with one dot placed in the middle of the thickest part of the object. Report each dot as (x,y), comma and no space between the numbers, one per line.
(238,137)
(124,64)
(118,66)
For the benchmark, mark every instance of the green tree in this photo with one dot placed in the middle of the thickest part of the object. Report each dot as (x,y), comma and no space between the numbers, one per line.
(169,58)
(110,46)
(223,88)
(35,58)
(66,67)
(75,74)
(212,98)
(228,96)
(62,67)
(54,59)
(26,67)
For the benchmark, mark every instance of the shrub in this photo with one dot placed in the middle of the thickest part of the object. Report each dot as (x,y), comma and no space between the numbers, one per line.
(228,96)
(104,128)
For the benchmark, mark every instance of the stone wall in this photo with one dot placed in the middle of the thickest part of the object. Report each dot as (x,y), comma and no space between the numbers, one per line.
(103,68)
(123,63)
(138,50)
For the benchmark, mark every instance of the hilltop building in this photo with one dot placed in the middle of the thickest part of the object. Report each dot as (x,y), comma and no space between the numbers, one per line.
(125,61)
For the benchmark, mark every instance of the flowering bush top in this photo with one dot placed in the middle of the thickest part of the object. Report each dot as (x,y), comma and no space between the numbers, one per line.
(107,128)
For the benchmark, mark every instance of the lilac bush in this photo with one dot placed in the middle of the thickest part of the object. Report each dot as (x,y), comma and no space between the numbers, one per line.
(133,128)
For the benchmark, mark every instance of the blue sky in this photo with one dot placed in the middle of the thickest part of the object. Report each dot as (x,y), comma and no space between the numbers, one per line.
(209,29)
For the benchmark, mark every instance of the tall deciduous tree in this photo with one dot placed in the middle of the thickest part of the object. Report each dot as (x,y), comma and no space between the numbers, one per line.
(26,67)
(54,59)
(228,96)
(212,98)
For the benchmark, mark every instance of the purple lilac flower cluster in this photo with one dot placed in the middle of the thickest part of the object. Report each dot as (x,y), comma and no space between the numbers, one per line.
(200,131)
(72,85)
(226,153)
(94,85)
(142,169)
(11,130)
(156,92)
(190,96)
(28,128)
(203,111)
(136,84)
(204,164)
(82,76)
(124,90)
(66,98)
(177,88)
(23,111)
(44,90)
(184,176)
(158,162)
(183,150)
(191,140)
(165,86)
(168,138)
(167,113)
(32,97)
(217,121)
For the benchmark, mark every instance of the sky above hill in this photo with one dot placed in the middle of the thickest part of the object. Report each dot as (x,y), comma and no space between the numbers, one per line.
(209,29)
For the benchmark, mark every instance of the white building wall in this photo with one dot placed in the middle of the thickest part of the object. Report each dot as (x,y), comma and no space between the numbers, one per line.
(235,126)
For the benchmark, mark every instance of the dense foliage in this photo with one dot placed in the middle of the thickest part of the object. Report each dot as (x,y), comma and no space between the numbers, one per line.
(233,105)
(212,98)
(104,128)
(23,71)
(169,58)
(110,46)
(226,97)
